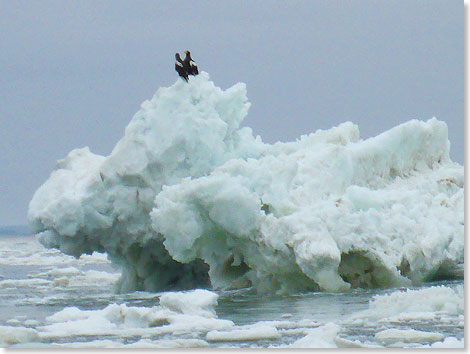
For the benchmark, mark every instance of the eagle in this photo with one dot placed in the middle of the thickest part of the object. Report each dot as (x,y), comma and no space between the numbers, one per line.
(179,67)
(189,64)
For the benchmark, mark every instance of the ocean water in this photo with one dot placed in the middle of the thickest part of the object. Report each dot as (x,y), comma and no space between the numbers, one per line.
(50,299)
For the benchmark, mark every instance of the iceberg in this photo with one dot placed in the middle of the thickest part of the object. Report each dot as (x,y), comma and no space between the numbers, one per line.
(189,198)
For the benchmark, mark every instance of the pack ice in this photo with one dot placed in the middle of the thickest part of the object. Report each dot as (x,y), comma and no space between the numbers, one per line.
(189,198)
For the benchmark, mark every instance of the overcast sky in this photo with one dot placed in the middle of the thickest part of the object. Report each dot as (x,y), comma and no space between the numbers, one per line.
(73,73)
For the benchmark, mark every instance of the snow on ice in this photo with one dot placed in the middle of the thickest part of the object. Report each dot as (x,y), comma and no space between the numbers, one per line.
(189,198)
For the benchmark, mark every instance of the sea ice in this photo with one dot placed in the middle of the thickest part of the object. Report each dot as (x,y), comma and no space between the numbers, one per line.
(248,333)
(389,336)
(321,337)
(449,342)
(141,344)
(400,310)
(198,302)
(14,335)
(421,304)
(172,316)
(189,198)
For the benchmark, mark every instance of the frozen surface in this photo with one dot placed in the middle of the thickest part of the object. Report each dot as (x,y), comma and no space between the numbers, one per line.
(188,199)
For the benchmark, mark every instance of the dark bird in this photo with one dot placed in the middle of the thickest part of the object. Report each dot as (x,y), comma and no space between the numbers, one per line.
(179,67)
(189,64)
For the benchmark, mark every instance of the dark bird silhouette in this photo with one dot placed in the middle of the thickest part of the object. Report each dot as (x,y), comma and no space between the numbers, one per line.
(179,67)
(189,64)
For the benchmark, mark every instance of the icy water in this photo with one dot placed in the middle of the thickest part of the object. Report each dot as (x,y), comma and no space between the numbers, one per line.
(50,299)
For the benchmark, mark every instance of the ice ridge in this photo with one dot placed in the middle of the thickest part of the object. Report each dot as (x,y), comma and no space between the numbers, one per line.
(189,198)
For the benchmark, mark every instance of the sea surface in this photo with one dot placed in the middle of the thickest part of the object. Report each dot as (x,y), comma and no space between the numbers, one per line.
(50,299)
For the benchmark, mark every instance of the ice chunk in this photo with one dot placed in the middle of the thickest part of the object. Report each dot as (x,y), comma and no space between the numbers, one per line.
(95,203)
(183,313)
(321,337)
(14,335)
(449,342)
(143,343)
(189,199)
(250,333)
(432,306)
(389,336)
(198,302)
(169,343)
(325,216)
(417,304)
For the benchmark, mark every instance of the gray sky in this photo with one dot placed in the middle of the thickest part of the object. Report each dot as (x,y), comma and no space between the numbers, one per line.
(73,73)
